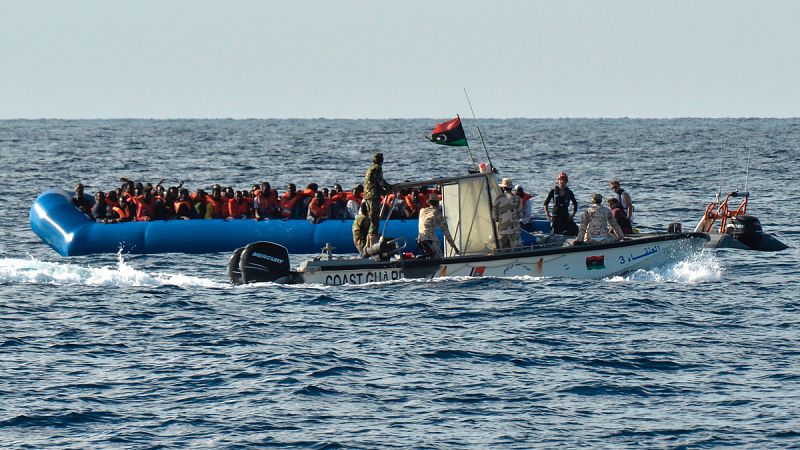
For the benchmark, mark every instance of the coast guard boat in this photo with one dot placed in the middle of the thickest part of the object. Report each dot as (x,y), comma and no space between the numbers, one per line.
(467,205)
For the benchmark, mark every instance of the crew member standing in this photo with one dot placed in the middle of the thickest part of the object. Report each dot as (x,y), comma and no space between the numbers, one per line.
(431,218)
(374,188)
(507,212)
(624,198)
(561,220)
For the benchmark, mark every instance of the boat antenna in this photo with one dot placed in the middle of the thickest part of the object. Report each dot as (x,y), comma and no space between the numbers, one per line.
(491,166)
(747,170)
(469,150)
(719,192)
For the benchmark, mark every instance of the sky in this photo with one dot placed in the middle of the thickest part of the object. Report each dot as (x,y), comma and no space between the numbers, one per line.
(398,59)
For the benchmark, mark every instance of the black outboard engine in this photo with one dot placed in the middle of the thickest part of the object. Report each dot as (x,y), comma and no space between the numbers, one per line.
(747,230)
(260,262)
(385,249)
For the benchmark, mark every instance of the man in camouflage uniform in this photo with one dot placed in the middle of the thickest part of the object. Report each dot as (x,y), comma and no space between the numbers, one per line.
(596,223)
(360,229)
(431,218)
(507,212)
(374,188)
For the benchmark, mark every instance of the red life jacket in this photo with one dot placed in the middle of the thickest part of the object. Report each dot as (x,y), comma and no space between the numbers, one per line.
(236,209)
(525,197)
(287,204)
(144,209)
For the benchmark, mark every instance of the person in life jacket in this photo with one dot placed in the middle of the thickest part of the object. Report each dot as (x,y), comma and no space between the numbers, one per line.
(561,220)
(506,212)
(526,222)
(288,201)
(414,203)
(199,204)
(163,210)
(263,205)
(145,206)
(619,216)
(354,201)
(238,207)
(122,211)
(624,199)
(81,202)
(374,188)
(183,205)
(318,208)
(216,204)
(338,203)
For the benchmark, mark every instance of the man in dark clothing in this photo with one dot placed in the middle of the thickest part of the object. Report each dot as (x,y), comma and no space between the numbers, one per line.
(374,188)
(81,202)
(561,220)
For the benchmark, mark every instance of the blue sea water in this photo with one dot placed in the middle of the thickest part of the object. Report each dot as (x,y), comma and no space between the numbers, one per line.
(159,351)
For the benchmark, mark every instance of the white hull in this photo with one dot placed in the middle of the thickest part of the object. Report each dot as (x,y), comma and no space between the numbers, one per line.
(588,262)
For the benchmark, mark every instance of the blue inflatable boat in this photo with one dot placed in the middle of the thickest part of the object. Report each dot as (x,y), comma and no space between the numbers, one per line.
(66,230)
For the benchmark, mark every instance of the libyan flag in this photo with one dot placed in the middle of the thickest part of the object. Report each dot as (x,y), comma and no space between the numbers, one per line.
(449,133)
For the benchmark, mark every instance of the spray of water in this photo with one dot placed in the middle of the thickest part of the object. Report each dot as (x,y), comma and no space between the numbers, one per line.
(33,271)
(699,268)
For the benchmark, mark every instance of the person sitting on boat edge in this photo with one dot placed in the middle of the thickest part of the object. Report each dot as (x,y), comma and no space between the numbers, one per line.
(526,222)
(619,216)
(100,208)
(354,200)
(562,222)
(507,212)
(374,188)
(596,222)
(624,199)
(81,202)
(431,218)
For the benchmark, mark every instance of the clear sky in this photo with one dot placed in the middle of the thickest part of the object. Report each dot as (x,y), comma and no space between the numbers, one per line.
(398,59)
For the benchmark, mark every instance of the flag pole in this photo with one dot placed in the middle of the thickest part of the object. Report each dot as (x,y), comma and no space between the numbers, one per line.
(491,166)
(469,150)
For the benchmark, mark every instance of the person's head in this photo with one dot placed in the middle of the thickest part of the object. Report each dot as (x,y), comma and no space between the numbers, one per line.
(434,200)
(238,195)
(112,196)
(506,184)
(201,193)
(597,198)
(518,190)
(265,187)
(139,188)
(613,203)
(148,195)
(312,186)
(415,193)
(291,188)
(319,196)
(183,194)
(99,196)
(358,189)
(337,188)
(614,183)
(324,191)
(79,189)
(216,191)
(562,179)
(377,158)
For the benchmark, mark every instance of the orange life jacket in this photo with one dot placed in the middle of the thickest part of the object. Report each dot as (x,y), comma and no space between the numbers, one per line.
(144,209)
(318,211)
(236,209)
(179,205)
(287,204)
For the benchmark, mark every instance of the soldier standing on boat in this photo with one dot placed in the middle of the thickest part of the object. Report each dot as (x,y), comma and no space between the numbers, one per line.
(507,212)
(431,218)
(374,188)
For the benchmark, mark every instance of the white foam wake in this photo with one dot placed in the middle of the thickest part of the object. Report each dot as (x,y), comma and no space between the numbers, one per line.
(33,271)
(700,267)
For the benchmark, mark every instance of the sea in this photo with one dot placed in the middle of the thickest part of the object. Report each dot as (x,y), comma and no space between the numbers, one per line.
(161,351)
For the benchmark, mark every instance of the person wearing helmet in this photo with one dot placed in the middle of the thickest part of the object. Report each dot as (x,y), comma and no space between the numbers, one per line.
(561,221)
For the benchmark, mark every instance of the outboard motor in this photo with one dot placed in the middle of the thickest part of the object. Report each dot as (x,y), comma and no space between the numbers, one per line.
(747,230)
(385,249)
(234,272)
(261,262)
